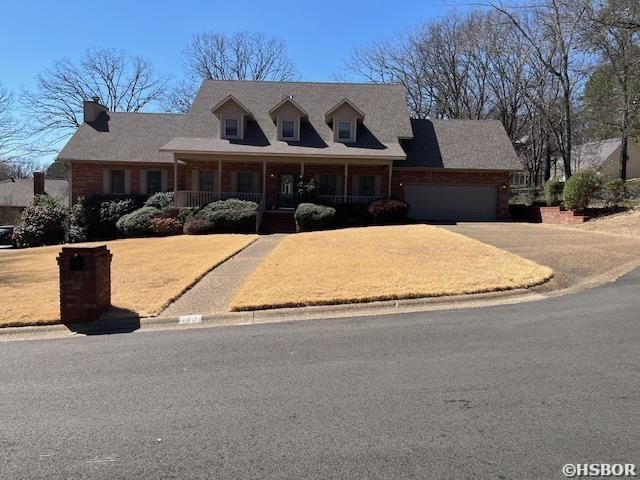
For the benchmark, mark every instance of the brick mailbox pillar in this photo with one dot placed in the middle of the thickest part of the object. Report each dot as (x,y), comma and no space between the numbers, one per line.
(85,283)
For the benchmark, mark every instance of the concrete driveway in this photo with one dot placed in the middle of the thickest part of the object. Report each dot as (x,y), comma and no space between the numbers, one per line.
(579,258)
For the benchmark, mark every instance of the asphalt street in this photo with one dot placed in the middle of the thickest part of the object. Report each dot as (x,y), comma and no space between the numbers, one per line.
(507,392)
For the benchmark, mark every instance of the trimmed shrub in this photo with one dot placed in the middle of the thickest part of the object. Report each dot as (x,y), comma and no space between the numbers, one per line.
(310,217)
(553,189)
(160,200)
(388,210)
(614,192)
(195,226)
(170,212)
(232,215)
(350,214)
(138,222)
(78,222)
(102,212)
(166,226)
(185,214)
(42,223)
(581,188)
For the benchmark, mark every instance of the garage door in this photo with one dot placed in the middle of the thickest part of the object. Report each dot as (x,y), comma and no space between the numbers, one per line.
(452,202)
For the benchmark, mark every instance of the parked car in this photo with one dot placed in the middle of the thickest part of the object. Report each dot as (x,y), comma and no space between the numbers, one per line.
(6,235)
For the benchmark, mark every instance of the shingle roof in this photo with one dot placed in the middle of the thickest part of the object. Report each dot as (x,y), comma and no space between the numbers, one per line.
(386,120)
(460,144)
(124,137)
(19,192)
(595,154)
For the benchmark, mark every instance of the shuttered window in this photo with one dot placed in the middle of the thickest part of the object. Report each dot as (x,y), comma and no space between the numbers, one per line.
(117,182)
(207,181)
(245,182)
(154,181)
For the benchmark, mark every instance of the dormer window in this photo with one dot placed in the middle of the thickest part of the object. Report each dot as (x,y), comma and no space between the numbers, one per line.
(288,129)
(344,131)
(343,119)
(233,117)
(288,115)
(231,128)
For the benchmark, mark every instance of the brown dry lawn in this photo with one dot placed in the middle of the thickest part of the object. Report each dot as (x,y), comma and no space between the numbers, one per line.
(381,263)
(627,223)
(147,274)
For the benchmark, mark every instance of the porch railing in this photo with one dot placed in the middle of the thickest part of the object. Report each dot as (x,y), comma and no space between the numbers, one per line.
(352,199)
(193,198)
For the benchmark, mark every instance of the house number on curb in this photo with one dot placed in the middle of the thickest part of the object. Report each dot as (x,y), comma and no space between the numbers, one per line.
(185,319)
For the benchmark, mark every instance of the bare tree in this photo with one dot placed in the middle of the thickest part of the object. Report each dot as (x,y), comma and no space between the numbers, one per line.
(241,56)
(613,92)
(120,81)
(19,167)
(552,30)
(11,132)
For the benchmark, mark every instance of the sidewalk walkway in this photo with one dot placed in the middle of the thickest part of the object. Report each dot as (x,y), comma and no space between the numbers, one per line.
(213,293)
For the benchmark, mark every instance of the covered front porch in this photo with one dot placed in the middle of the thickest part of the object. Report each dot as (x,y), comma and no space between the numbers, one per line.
(272,183)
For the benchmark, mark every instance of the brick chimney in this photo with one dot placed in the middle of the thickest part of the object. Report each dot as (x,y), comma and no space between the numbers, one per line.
(92,108)
(38,183)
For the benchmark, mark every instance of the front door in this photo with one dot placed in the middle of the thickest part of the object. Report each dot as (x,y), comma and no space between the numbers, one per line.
(286,191)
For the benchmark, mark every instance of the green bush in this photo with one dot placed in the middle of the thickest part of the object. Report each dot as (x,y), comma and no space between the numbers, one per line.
(78,222)
(42,223)
(186,213)
(160,200)
(614,192)
(553,189)
(138,222)
(310,217)
(103,211)
(195,226)
(165,226)
(388,210)
(580,189)
(232,215)
(170,212)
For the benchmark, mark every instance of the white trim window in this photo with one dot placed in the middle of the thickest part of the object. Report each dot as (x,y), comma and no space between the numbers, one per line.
(344,131)
(288,129)
(231,127)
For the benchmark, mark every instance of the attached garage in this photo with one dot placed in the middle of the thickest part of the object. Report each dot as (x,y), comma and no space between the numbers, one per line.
(451,202)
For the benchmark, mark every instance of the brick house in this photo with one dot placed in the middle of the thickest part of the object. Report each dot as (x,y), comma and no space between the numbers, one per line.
(255,140)
(16,194)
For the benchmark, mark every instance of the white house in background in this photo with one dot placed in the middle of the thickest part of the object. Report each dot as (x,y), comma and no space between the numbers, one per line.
(604,157)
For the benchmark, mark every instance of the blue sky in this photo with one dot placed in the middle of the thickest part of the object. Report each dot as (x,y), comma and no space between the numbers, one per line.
(319,35)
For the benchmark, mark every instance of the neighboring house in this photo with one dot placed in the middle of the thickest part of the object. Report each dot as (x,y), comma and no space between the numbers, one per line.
(18,193)
(604,157)
(255,140)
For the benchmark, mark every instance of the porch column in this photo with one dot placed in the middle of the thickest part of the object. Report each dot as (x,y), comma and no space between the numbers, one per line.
(219,178)
(301,169)
(390,173)
(264,178)
(175,176)
(346,178)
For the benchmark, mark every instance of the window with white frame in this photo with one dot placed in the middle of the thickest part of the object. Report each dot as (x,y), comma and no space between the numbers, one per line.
(288,129)
(207,180)
(117,182)
(344,131)
(231,128)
